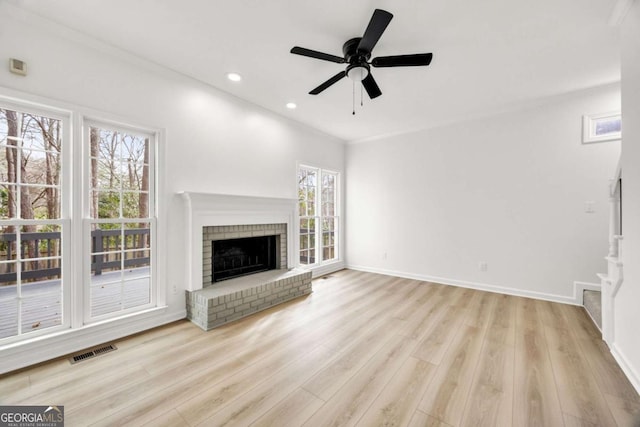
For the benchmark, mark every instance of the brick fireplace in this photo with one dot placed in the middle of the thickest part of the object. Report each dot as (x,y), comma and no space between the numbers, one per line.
(226,219)
(222,233)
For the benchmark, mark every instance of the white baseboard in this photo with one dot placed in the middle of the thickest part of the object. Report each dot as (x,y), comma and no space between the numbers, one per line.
(25,353)
(327,269)
(626,367)
(473,285)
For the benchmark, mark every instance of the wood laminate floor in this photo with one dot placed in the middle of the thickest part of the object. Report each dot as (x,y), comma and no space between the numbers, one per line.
(363,349)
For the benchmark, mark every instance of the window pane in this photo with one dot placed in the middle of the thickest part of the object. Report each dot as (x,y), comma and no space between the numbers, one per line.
(137,292)
(135,148)
(106,298)
(327,239)
(40,167)
(31,286)
(137,262)
(7,162)
(137,235)
(42,311)
(8,316)
(328,224)
(106,204)
(8,279)
(135,205)
(121,176)
(40,202)
(41,247)
(608,125)
(304,257)
(328,209)
(8,201)
(106,237)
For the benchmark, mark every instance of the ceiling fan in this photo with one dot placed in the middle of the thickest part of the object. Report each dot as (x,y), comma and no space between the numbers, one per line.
(357,52)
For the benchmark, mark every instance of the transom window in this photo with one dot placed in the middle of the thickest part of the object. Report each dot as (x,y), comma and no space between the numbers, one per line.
(318,212)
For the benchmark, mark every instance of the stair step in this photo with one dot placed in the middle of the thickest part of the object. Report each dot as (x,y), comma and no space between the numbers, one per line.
(592,301)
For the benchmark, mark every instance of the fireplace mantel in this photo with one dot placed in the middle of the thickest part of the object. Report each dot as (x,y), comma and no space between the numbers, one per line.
(211,209)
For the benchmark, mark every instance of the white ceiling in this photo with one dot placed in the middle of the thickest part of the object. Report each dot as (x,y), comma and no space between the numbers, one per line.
(489,55)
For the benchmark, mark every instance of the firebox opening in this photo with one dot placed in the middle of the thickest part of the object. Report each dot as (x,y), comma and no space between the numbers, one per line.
(239,257)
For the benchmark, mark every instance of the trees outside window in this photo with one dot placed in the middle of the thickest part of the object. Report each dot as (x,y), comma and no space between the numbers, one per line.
(43,289)
(318,212)
(121,220)
(32,226)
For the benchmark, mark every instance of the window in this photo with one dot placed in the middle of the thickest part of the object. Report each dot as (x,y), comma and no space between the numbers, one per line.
(44,288)
(318,212)
(121,220)
(601,127)
(33,223)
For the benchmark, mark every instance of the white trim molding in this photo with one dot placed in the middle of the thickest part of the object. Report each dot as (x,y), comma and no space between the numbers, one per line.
(572,300)
(211,209)
(29,352)
(626,367)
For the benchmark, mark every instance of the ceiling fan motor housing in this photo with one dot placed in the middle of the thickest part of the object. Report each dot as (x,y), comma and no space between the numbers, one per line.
(351,53)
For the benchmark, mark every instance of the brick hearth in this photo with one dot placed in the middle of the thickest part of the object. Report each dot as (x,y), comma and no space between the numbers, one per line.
(236,298)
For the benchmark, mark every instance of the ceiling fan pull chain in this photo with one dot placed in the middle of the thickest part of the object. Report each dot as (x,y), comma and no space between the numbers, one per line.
(353,103)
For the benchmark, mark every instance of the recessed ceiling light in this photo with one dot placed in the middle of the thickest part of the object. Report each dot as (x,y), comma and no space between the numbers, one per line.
(291,105)
(234,77)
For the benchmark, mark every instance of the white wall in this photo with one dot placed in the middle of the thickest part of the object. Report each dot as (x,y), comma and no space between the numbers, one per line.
(214,142)
(508,190)
(626,346)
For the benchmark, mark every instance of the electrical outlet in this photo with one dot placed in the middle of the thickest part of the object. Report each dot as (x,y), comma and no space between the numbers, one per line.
(482,266)
(175,289)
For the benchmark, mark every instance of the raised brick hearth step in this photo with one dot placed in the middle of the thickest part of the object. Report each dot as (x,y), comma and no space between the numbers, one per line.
(233,299)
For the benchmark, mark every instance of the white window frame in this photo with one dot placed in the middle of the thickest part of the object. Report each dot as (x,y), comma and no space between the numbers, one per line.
(66,157)
(320,261)
(589,123)
(153,135)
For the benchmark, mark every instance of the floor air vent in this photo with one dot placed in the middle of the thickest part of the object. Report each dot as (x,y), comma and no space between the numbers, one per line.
(92,353)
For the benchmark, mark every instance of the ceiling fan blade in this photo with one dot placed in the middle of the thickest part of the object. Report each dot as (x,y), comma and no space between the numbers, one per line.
(403,60)
(371,87)
(318,55)
(328,83)
(376,27)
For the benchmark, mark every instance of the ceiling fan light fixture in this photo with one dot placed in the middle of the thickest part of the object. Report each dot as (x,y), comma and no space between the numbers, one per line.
(357,73)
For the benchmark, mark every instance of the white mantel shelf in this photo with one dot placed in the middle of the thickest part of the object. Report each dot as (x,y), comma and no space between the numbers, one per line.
(212,209)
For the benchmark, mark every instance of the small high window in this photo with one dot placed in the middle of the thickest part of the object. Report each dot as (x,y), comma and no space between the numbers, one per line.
(602,127)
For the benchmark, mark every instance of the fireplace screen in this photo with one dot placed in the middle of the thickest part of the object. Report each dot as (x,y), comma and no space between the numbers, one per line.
(239,257)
